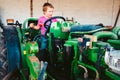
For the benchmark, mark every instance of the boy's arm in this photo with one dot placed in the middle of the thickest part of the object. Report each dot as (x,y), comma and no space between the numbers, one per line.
(39,24)
(36,27)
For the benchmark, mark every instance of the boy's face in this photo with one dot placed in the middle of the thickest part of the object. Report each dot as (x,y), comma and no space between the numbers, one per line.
(49,12)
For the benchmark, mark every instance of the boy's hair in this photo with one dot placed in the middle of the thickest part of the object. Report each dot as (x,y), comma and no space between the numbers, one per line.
(46,5)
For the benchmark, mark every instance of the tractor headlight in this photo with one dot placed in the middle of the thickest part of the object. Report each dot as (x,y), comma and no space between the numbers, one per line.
(112,59)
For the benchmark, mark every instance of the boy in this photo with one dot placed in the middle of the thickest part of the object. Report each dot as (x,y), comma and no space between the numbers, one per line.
(48,12)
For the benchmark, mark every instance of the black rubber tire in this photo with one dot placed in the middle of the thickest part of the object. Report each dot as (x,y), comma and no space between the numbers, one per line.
(14,75)
(3,53)
(9,49)
(13,47)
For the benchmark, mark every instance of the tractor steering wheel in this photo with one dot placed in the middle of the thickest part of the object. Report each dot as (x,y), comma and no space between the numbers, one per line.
(47,26)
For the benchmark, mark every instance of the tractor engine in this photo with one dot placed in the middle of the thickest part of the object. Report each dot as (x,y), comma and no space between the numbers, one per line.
(112,59)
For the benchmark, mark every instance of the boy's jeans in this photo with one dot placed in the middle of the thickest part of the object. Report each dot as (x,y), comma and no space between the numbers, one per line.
(43,42)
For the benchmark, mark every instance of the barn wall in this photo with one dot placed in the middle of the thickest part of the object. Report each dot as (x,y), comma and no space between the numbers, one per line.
(84,11)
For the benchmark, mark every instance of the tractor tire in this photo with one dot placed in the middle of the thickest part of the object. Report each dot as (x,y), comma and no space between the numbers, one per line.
(9,50)
(3,53)
(13,47)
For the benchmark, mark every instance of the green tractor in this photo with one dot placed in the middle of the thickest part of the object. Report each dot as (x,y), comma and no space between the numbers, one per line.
(72,52)
(88,58)
(19,53)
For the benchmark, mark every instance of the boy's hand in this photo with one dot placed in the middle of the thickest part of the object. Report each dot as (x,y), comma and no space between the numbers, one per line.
(32,25)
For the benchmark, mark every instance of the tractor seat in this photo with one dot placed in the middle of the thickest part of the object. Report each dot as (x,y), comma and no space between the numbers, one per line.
(31,33)
(28,21)
(32,21)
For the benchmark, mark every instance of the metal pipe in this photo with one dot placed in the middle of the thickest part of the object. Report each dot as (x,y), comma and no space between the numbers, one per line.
(117,17)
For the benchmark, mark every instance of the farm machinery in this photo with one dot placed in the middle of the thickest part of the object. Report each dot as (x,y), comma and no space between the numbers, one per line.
(73,53)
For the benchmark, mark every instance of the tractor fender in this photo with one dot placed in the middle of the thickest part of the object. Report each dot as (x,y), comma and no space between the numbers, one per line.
(105,34)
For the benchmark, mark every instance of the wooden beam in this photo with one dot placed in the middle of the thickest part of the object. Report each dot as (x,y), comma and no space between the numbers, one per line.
(31,8)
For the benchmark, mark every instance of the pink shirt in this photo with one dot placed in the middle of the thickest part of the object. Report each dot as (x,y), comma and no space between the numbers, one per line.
(41,21)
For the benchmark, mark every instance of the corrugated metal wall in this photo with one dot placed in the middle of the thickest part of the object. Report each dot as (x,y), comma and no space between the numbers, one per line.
(84,11)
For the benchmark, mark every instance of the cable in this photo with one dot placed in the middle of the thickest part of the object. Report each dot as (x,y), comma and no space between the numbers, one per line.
(85,69)
(92,68)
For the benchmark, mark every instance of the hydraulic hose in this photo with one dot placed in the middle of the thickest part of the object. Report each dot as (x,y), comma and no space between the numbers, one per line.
(116,42)
(105,34)
(116,30)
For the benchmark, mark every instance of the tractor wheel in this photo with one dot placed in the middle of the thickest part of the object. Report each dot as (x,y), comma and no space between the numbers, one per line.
(3,53)
(9,50)
(12,49)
